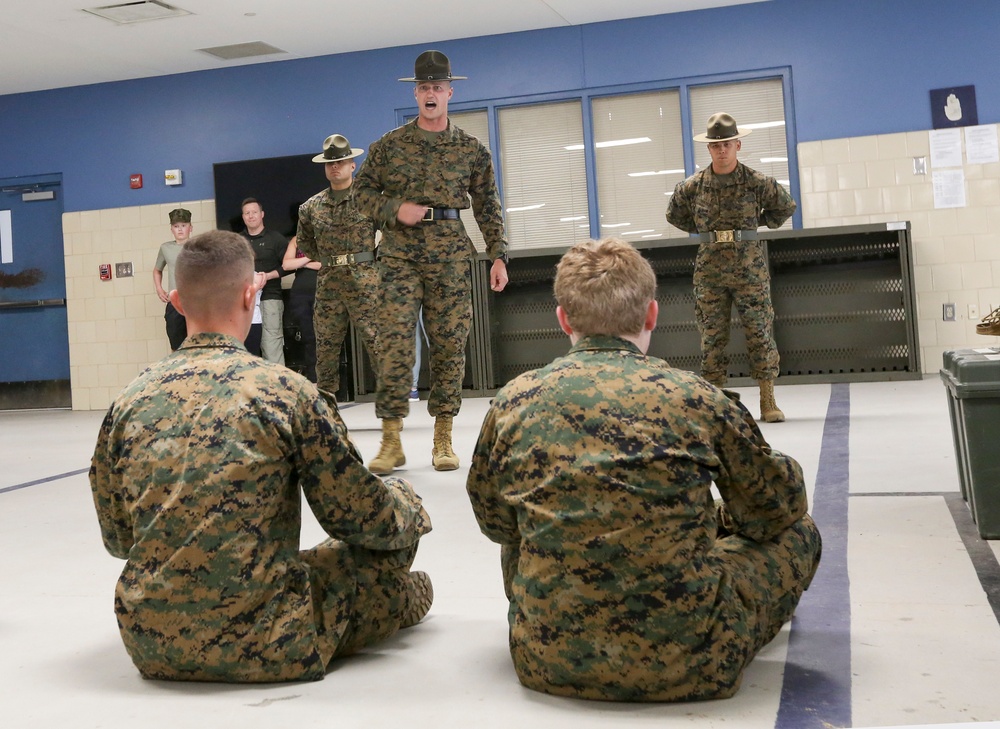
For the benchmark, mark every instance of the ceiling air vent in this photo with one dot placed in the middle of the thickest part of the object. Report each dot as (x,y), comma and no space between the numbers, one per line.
(242,50)
(137,12)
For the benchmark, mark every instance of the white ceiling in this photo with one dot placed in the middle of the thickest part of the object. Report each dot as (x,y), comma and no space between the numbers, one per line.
(46,44)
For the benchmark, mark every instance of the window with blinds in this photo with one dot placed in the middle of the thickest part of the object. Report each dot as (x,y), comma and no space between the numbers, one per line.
(639,144)
(639,151)
(757,106)
(476,123)
(544,174)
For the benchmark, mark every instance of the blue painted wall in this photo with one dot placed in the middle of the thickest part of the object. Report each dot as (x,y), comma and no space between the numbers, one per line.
(858,68)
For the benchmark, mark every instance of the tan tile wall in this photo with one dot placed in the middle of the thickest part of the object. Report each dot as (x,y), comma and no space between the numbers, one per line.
(956,251)
(116,327)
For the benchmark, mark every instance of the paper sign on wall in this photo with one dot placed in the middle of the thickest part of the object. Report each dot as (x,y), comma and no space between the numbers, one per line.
(981,144)
(946,148)
(6,238)
(949,188)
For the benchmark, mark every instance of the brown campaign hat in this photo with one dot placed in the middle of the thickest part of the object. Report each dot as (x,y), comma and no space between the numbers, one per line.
(179,215)
(432,66)
(721,127)
(335,148)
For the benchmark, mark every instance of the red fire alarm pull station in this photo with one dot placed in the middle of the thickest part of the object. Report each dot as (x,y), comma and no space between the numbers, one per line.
(105,272)
(135,181)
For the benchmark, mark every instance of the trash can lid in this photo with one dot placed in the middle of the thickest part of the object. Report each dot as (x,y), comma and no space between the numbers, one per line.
(972,372)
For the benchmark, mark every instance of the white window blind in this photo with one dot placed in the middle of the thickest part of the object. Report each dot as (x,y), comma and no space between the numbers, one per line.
(476,123)
(640,158)
(544,175)
(756,105)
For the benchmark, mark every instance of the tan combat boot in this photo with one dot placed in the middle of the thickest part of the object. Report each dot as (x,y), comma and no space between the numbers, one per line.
(442,456)
(769,411)
(390,453)
(719,382)
(419,597)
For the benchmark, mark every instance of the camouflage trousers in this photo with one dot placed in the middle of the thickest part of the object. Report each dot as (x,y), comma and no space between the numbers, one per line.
(726,274)
(445,291)
(338,599)
(759,587)
(344,295)
(762,586)
(380,597)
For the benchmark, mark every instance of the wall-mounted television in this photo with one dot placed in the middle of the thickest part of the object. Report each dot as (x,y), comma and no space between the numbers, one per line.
(281,184)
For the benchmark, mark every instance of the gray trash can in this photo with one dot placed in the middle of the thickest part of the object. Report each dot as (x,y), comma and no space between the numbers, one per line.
(972,379)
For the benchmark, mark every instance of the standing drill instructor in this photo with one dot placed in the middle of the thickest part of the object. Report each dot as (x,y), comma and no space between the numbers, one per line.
(332,231)
(724,204)
(414,182)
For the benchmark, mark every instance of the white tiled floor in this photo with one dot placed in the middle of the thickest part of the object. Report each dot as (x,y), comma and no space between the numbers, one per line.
(924,640)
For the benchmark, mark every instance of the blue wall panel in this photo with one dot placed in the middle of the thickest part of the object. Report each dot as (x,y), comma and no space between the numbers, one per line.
(857,69)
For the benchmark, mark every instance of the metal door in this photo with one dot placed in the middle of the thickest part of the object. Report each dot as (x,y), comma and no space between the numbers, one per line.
(34,354)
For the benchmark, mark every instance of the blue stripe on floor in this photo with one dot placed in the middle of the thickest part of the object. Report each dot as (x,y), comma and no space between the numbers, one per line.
(817,687)
(15,487)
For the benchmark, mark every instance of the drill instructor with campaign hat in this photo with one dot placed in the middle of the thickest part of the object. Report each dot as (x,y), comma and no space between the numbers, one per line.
(334,232)
(724,204)
(414,182)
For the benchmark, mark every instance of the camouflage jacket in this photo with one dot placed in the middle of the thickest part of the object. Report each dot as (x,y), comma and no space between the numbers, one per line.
(742,200)
(594,474)
(331,225)
(196,477)
(403,167)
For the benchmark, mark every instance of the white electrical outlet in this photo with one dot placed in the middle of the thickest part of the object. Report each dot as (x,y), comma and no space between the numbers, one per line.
(973,312)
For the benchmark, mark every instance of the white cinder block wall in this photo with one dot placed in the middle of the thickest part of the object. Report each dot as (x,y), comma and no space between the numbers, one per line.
(956,251)
(116,327)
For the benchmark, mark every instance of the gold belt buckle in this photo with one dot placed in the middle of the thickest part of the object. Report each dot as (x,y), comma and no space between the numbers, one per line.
(341,260)
(428,216)
(725,236)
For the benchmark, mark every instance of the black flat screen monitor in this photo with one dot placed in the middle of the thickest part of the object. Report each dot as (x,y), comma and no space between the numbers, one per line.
(280,184)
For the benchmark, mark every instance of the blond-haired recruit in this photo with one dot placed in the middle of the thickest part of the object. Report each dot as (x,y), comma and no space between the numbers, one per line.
(212,269)
(605,287)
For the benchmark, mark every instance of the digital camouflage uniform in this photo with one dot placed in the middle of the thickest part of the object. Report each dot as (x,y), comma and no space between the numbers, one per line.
(728,273)
(196,478)
(594,474)
(428,263)
(331,225)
